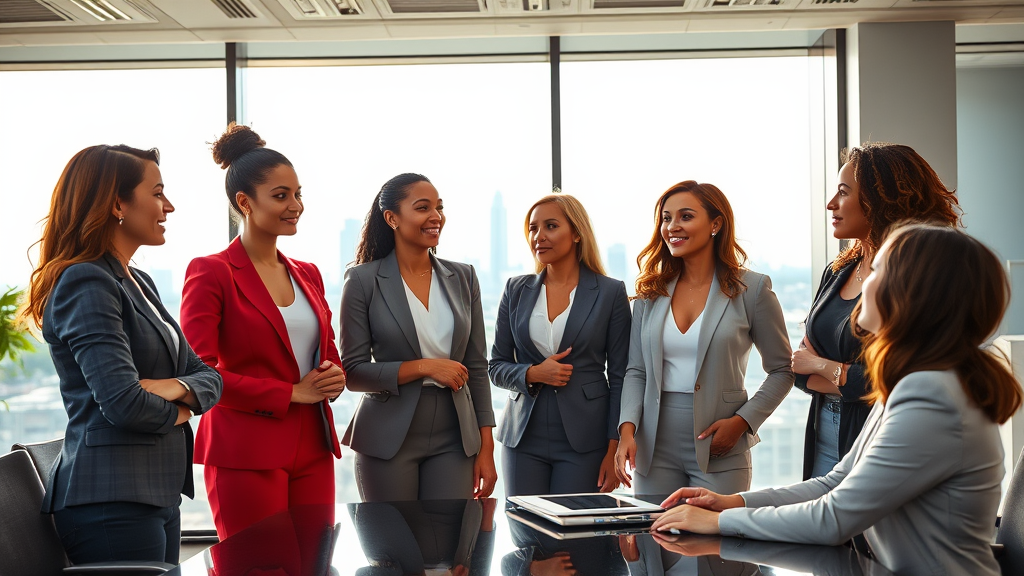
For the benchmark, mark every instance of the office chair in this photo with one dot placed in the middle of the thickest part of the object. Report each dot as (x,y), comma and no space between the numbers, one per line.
(30,544)
(43,455)
(1010,535)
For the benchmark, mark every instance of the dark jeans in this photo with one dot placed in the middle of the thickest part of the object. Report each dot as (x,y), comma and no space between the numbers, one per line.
(111,531)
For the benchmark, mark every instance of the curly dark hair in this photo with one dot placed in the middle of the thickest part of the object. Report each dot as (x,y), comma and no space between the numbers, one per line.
(896,184)
(242,152)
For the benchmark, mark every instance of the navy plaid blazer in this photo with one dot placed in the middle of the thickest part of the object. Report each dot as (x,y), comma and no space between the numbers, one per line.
(121,444)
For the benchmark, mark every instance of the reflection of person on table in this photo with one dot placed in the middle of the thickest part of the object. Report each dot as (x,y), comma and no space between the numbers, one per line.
(423,537)
(541,555)
(647,556)
(800,558)
(297,542)
(923,479)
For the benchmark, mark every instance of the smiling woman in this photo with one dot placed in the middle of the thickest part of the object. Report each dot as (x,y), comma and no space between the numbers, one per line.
(413,320)
(268,445)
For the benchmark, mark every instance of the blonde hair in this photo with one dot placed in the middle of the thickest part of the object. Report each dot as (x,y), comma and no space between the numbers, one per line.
(576,214)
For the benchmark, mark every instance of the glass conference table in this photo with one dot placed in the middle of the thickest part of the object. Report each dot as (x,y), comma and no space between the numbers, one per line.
(481,537)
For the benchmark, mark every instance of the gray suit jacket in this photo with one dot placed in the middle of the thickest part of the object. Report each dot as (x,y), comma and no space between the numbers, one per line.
(121,444)
(378,334)
(922,483)
(653,559)
(598,331)
(730,327)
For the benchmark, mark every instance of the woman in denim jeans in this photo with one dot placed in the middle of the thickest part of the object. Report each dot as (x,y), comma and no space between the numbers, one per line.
(878,185)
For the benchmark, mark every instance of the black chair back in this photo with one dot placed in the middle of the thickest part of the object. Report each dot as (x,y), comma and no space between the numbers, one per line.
(1011,525)
(43,454)
(30,544)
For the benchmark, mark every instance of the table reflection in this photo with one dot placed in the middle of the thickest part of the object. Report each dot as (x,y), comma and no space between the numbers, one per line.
(461,538)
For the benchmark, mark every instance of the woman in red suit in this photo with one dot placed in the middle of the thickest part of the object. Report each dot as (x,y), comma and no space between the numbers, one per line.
(261,320)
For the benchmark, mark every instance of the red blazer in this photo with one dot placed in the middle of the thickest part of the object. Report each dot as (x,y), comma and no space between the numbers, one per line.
(232,323)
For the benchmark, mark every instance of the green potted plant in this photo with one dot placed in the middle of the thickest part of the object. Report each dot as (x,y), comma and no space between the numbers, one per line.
(15,339)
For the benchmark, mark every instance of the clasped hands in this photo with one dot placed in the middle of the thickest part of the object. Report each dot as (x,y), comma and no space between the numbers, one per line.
(805,360)
(326,381)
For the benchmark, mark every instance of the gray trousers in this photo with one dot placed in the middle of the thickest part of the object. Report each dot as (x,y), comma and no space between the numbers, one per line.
(544,462)
(430,465)
(674,463)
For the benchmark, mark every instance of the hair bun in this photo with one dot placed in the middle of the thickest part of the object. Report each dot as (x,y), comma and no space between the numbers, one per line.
(234,143)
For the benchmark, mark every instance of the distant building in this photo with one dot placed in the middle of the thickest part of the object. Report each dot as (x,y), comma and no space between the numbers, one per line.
(169,295)
(35,416)
(499,239)
(349,241)
(617,262)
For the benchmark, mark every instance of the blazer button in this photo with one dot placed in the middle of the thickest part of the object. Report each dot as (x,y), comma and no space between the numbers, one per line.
(696,387)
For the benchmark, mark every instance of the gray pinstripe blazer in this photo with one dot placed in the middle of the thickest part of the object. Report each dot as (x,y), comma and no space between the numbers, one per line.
(378,334)
(121,444)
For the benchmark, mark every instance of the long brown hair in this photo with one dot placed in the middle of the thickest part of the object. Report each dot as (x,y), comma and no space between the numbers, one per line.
(933,319)
(896,184)
(576,214)
(658,266)
(80,224)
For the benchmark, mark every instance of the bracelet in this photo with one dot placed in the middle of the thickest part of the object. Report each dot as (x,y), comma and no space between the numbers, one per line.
(837,374)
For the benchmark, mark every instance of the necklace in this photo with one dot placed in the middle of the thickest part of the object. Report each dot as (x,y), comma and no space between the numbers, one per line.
(422,274)
(857,273)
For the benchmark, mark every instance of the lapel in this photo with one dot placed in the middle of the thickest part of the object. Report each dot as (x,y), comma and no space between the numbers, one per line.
(138,299)
(586,295)
(714,309)
(252,287)
(452,289)
(392,289)
(315,298)
(657,312)
(522,311)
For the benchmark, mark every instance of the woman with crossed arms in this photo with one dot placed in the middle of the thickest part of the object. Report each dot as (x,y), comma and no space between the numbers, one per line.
(686,418)
(922,481)
(557,334)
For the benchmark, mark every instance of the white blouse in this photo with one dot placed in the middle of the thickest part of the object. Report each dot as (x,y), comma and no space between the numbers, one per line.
(679,368)
(548,335)
(434,327)
(303,329)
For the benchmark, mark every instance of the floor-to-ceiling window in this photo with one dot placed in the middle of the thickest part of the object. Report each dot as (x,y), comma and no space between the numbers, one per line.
(48,116)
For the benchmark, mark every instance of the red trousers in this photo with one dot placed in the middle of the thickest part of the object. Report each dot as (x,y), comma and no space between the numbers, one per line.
(239,498)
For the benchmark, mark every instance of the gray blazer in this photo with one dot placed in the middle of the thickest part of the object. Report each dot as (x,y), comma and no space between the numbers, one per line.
(729,328)
(922,483)
(378,334)
(656,561)
(121,444)
(598,331)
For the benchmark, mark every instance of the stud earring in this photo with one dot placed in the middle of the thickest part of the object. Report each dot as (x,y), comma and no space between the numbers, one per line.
(120,221)
(713,233)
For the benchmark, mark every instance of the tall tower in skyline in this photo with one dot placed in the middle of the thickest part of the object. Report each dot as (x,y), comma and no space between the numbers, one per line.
(349,241)
(499,239)
(617,263)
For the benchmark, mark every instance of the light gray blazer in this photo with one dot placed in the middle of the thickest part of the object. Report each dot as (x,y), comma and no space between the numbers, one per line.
(922,483)
(653,560)
(378,334)
(729,328)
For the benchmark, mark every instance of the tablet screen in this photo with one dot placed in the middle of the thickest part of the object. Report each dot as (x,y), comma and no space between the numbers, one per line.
(589,502)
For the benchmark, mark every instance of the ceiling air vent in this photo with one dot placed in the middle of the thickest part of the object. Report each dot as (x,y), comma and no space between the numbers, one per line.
(743,3)
(602,4)
(26,11)
(102,10)
(826,2)
(235,9)
(434,6)
(323,8)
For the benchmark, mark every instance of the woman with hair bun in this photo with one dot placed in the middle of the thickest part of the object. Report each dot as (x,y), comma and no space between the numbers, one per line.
(260,318)
(412,338)
(879,184)
(560,348)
